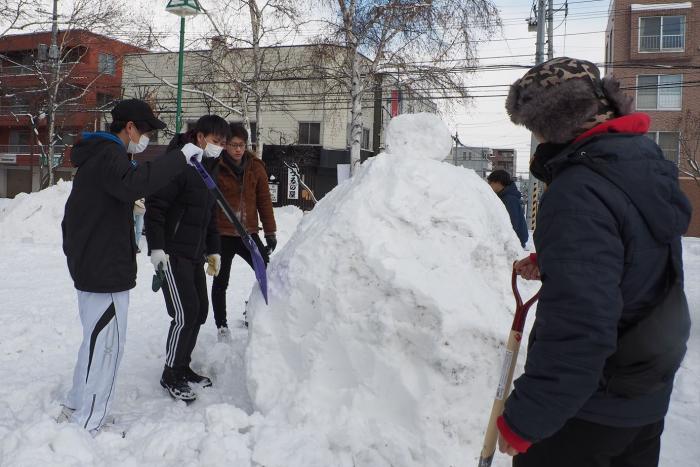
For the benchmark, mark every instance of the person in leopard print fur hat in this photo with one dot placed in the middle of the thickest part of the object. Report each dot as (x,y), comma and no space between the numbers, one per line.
(612,321)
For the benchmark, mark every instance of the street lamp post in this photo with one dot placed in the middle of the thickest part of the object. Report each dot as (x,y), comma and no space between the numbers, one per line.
(183,9)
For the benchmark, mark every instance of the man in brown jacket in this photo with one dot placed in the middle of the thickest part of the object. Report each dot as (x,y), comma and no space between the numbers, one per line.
(243,181)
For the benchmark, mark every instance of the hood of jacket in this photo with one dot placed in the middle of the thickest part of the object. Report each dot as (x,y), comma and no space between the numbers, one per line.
(510,191)
(180,139)
(89,145)
(635,164)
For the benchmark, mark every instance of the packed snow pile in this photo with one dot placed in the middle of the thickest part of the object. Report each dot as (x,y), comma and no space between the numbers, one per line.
(387,307)
(420,135)
(35,217)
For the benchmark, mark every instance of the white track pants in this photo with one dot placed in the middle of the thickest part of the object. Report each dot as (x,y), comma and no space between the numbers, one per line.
(103,316)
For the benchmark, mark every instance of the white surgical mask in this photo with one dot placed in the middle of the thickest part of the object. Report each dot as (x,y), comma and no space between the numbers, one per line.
(212,150)
(135,148)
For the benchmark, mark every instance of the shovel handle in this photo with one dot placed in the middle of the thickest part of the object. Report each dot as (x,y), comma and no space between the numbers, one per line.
(506,376)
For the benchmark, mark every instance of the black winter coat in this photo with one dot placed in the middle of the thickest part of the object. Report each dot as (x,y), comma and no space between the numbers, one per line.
(180,217)
(511,198)
(605,227)
(98,223)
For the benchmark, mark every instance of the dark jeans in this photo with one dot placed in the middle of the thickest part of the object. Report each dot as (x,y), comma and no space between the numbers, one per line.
(585,444)
(230,247)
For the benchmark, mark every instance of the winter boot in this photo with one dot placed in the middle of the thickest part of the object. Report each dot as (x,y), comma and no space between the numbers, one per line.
(176,385)
(223,334)
(65,415)
(190,376)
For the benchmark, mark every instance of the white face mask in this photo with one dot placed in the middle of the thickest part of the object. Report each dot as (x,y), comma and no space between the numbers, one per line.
(135,148)
(212,150)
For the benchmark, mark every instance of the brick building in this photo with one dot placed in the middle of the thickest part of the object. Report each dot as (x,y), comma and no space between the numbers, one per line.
(504,159)
(652,46)
(92,67)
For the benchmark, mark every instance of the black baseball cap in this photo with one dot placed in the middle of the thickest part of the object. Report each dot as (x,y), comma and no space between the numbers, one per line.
(136,110)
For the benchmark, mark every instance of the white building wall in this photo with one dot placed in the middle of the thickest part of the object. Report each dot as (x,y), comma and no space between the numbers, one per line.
(289,101)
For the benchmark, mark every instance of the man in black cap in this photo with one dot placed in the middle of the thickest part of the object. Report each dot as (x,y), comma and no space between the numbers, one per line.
(98,240)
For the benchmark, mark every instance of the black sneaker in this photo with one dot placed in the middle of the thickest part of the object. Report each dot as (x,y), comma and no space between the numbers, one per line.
(190,376)
(176,385)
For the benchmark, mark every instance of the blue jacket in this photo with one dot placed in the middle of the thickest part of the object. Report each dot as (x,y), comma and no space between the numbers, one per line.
(605,227)
(511,197)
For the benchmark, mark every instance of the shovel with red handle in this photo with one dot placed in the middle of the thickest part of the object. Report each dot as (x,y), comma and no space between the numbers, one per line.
(506,378)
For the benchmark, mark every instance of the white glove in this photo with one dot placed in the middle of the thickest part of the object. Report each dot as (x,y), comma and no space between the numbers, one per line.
(190,150)
(159,257)
(213,264)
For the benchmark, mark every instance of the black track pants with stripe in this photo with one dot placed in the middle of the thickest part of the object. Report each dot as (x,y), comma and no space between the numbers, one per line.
(185,292)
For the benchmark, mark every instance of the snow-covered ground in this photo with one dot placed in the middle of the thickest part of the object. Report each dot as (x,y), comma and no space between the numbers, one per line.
(388,304)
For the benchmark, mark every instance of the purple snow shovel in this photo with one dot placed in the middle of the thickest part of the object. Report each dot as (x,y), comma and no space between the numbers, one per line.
(258,262)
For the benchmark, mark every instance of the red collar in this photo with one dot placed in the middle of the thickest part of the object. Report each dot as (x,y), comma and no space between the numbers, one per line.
(637,123)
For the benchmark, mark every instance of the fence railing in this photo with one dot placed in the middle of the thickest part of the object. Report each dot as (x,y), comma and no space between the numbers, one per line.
(658,43)
(26,149)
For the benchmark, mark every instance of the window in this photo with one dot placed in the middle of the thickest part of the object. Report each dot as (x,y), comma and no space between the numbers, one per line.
(106,64)
(310,133)
(104,100)
(19,141)
(668,141)
(662,34)
(659,92)
(365,138)
(68,136)
(18,103)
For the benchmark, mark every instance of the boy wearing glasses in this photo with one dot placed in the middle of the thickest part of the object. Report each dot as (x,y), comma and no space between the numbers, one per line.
(242,179)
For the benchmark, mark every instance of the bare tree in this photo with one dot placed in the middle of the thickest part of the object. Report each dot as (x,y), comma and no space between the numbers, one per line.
(59,88)
(15,15)
(253,62)
(429,43)
(689,142)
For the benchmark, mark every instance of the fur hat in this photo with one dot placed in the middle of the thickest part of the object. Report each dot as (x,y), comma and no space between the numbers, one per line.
(564,97)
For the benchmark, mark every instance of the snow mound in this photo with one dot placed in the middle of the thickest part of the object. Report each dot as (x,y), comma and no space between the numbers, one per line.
(35,217)
(418,135)
(387,306)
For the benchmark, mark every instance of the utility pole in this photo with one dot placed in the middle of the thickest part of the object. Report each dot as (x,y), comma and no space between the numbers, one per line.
(535,187)
(550,30)
(541,19)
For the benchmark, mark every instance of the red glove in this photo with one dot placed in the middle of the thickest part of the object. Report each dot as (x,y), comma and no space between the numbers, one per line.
(518,443)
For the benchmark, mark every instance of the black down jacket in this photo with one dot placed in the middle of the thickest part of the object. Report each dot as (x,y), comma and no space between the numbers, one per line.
(98,224)
(180,217)
(605,227)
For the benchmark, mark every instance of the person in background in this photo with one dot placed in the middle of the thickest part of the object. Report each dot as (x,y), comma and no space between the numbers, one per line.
(181,232)
(612,320)
(139,211)
(98,240)
(503,186)
(243,181)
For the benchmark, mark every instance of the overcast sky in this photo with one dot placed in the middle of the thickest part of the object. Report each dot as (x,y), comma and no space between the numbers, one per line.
(484,121)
